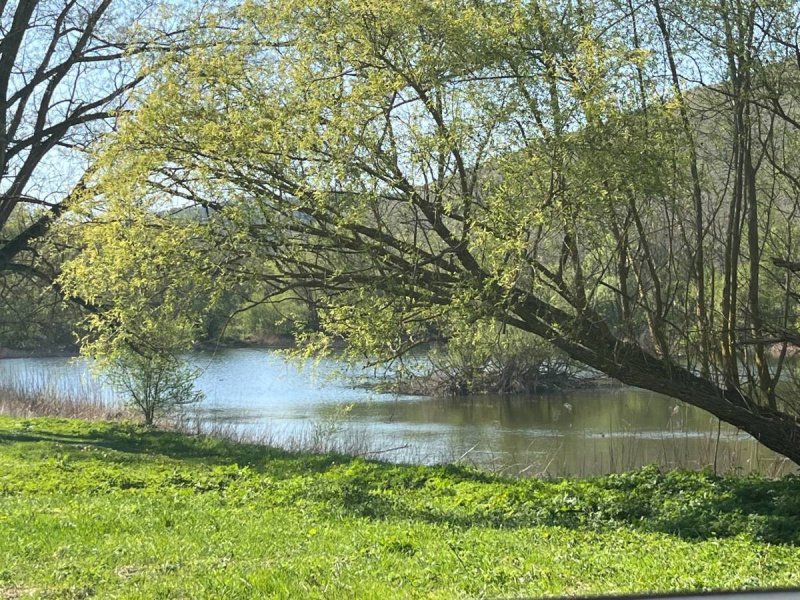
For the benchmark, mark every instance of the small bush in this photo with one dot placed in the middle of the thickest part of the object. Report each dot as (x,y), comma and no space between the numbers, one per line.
(488,358)
(156,385)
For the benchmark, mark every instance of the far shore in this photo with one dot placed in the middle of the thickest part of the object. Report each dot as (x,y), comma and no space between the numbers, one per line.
(277,341)
(37,353)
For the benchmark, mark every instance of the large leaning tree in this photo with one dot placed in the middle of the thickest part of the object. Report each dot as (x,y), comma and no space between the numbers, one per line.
(620,179)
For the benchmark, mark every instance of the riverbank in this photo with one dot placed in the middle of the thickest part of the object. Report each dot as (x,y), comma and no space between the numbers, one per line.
(101,509)
(258,395)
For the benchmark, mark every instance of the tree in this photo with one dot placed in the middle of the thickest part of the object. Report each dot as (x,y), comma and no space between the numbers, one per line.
(429,163)
(68,70)
(155,384)
(62,79)
(156,281)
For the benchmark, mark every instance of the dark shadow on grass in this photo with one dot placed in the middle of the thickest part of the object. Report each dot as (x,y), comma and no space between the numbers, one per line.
(691,505)
(134,443)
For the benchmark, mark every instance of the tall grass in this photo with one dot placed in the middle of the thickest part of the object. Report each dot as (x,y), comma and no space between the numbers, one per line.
(326,436)
(39,394)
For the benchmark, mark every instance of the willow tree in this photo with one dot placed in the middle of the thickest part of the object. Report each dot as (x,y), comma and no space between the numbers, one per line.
(423,166)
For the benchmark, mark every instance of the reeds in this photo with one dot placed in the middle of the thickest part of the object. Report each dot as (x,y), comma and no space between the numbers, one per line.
(39,394)
(579,455)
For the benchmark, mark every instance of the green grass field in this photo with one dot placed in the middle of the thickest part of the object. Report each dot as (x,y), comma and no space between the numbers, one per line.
(112,510)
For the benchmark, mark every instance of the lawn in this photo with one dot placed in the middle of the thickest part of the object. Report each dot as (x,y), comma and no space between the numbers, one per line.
(114,510)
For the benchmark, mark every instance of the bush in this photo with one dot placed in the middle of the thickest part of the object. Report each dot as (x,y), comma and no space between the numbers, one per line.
(487,358)
(156,384)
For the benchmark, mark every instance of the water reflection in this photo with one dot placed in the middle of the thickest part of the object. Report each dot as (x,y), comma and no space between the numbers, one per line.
(258,392)
(581,433)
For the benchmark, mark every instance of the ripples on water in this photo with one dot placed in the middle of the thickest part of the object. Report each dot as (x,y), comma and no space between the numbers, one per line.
(257,393)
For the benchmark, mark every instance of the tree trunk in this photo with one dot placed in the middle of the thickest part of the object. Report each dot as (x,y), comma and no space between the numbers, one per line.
(777,430)
(592,344)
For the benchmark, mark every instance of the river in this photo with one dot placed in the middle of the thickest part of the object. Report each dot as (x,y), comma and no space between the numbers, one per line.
(259,394)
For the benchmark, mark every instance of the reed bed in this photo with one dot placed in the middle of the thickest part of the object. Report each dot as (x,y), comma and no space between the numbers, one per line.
(39,394)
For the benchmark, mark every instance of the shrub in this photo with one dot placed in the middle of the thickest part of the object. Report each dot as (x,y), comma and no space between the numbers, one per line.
(153,384)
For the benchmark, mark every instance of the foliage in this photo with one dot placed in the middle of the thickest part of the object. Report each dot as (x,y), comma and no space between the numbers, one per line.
(67,70)
(418,167)
(239,137)
(33,314)
(117,509)
(155,285)
(487,357)
(151,277)
(155,384)
(276,320)
(33,317)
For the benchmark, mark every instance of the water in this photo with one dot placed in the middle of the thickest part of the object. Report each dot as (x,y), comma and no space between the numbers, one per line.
(583,433)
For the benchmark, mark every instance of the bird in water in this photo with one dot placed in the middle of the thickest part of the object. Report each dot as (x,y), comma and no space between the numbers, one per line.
(569,414)
(674,417)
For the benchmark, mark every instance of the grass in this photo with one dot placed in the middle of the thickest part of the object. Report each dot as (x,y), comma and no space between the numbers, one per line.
(32,394)
(114,510)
